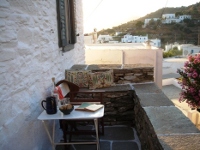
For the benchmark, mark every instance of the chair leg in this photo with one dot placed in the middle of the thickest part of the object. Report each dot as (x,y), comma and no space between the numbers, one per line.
(73,126)
(64,129)
(102,125)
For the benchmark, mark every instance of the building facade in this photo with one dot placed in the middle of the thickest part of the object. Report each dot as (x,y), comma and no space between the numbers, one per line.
(134,39)
(30,57)
(168,19)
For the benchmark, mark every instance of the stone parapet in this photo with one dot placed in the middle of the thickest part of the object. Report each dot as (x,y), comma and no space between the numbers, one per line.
(123,74)
(160,124)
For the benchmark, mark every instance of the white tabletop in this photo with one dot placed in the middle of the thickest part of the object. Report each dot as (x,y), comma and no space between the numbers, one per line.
(74,115)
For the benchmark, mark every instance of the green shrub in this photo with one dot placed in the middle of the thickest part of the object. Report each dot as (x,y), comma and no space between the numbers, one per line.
(172,52)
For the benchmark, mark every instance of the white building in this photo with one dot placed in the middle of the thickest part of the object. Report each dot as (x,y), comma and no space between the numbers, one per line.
(146,21)
(168,19)
(182,17)
(168,16)
(189,49)
(171,18)
(30,57)
(104,38)
(134,39)
(127,38)
(155,42)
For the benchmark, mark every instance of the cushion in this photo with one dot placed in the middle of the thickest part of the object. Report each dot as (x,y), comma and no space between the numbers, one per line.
(100,79)
(79,78)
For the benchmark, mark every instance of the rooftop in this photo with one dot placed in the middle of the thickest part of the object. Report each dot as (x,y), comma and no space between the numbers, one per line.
(118,46)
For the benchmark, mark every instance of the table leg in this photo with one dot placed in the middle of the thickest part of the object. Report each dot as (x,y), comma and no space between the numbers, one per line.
(97,134)
(47,131)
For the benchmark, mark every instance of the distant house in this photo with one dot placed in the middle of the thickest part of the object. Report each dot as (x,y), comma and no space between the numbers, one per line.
(104,38)
(146,21)
(134,39)
(182,17)
(156,42)
(187,48)
(168,19)
(171,18)
(168,16)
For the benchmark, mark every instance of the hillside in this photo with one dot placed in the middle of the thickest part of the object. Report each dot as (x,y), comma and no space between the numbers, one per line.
(185,32)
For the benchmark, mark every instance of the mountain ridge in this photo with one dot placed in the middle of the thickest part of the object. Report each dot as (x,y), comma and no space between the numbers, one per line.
(185,32)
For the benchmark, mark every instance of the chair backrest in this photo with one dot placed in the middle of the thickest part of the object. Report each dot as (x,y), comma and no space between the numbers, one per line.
(77,95)
(72,87)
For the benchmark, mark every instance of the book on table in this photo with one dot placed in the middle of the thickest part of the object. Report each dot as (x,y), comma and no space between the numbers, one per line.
(86,106)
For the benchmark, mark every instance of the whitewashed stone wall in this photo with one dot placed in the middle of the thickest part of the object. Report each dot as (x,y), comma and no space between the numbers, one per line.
(29,58)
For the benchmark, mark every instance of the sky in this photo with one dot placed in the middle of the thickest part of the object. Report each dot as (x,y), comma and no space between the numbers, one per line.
(103,14)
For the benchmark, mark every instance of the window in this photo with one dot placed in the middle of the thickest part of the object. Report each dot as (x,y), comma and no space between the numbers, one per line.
(66,24)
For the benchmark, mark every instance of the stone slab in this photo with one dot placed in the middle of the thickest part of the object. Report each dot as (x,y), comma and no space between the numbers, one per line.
(128,66)
(170,75)
(146,88)
(78,67)
(104,66)
(180,142)
(118,88)
(154,99)
(171,91)
(125,146)
(169,120)
(118,133)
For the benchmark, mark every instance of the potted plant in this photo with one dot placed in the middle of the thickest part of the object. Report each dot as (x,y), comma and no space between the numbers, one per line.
(190,82)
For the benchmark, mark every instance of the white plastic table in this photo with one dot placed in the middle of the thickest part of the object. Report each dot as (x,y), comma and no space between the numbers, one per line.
(74,115)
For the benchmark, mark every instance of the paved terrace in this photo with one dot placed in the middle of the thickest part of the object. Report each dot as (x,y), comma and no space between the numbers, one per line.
(172,128)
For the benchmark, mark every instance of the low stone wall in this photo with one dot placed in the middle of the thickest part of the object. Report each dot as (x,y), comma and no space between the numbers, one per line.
(159,124)
(132,73)
(118,101)
(145,130)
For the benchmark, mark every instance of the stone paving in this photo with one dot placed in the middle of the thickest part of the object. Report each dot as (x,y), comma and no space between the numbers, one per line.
(115,138)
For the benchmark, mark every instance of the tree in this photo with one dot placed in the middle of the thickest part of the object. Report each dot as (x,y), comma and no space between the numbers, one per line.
(139,24)
(178,13)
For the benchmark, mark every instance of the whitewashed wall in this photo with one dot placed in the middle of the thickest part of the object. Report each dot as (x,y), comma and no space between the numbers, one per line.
(29,58)
(126,55)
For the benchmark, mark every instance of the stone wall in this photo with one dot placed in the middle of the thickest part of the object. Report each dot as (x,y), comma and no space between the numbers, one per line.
(160,124)
(118,101)
(29,58)
(145,130)
(123,74)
